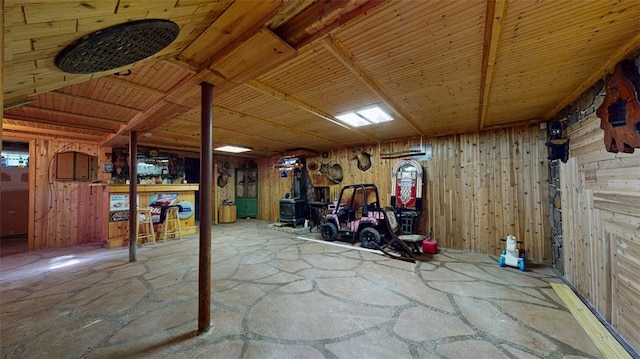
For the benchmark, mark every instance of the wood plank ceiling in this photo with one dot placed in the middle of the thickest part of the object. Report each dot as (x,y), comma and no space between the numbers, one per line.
(282,70)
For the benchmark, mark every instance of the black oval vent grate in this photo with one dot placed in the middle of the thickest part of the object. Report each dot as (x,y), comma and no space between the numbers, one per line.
(117,46)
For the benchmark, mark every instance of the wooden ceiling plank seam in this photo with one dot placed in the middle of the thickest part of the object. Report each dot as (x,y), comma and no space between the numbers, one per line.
(606,68)
(593,13)
(236,24)
(495,18)
(273,124)
(93,100)
(438,18)
(287,12)
(43,12)
(137,86)
(140,117)
(81,126)
(303,106)
(182,65)
(341,21)
(250,141)
(351,62)
(312,19)
(50,28)
(72,115)
(257,55)
(30,129)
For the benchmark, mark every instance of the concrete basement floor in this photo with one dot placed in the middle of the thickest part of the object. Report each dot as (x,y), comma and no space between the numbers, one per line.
(275,295)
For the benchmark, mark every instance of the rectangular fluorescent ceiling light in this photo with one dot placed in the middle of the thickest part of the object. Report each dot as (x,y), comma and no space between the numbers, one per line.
(365,116)
(232,149)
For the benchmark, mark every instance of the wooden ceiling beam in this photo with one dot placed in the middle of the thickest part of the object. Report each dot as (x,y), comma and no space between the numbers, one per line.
(494,22)
(295,130)
(252,144)
(93,100)
(69,114)
(319,19)
(239,21)
(289,10)
(606,68)
(139,118)
(137,86)
(342,54)
(53,133)
(57,123)
(305,107)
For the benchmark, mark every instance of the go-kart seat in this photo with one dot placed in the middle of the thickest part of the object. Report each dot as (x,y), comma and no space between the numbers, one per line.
(345,214)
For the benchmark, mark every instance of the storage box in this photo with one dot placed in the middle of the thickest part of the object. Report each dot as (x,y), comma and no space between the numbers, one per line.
(429,246)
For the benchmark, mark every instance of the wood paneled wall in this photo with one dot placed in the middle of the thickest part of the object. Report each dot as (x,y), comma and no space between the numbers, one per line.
(601,227)
(64,212)
(479,187)
(483,186)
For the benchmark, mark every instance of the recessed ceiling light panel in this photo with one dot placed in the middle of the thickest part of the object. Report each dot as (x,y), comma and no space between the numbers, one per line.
(365,116)
(374,115)
(352,119)
(232,149)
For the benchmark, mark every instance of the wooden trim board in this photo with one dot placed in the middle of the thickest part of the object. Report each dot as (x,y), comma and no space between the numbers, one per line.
(608,346)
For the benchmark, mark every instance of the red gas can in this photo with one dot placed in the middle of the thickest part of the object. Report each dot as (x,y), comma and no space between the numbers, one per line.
(429,246)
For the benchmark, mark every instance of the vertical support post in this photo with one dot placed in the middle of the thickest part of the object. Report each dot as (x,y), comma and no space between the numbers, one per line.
(206,185)
(1,62)
(133,195)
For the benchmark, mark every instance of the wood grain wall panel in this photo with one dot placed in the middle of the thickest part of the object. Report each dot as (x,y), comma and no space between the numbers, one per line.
(626,294)
(601,213)
(479,187)
(62,207)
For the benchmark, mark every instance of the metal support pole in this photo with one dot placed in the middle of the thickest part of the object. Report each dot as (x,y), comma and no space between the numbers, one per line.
(133,195)
(206,185)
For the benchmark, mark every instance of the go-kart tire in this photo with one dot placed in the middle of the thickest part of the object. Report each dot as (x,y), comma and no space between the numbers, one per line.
(521,265)
(368,237)
(501,262)
(329,231)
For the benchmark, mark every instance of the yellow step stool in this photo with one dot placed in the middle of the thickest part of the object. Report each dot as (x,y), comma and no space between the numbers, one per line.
(145,223)
(171,225)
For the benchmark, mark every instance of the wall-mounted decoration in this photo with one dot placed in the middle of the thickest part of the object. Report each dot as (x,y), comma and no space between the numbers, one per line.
(333,171)
(557,144)
(224,172)
(399,154)
(363,158)
(312,166)
(620,110)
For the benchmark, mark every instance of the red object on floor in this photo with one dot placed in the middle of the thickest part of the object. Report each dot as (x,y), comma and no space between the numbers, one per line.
(429,246)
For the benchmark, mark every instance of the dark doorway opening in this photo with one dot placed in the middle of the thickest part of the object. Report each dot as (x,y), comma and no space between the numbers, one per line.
(14,199)
(192,175)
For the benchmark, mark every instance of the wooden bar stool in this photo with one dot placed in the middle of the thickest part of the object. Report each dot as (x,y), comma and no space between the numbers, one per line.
(171,225)
(144,218)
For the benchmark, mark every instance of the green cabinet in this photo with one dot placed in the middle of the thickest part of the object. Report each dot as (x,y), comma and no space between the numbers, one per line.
(247,192)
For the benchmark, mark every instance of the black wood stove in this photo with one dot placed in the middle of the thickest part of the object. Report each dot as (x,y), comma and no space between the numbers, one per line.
(295,209)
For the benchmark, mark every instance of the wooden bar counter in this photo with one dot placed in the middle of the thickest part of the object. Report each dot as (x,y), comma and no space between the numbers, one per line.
(117,205)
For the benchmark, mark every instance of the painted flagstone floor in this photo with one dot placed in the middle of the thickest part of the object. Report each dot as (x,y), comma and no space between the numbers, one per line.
(279,295)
